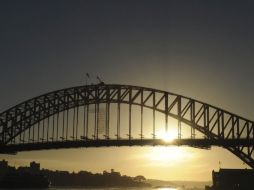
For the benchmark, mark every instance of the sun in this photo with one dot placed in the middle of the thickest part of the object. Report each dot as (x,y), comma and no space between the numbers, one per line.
(168,136)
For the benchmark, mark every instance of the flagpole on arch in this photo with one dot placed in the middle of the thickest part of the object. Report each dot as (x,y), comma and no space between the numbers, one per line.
(87,77)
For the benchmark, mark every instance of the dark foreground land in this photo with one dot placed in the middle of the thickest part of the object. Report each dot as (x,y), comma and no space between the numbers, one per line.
(88,179)
(34,177)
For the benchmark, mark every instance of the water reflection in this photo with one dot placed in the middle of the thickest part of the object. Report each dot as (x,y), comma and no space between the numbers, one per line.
(167,188)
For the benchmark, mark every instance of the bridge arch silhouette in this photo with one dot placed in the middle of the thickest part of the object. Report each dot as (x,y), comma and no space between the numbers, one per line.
(52,121)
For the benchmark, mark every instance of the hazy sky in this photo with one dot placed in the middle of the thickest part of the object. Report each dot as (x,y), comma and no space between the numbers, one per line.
(201,49)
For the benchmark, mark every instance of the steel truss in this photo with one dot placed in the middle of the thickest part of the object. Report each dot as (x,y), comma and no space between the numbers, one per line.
(220,127)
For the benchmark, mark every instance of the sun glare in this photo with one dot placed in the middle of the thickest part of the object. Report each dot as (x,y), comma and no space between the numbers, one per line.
(168,155)
(168,136)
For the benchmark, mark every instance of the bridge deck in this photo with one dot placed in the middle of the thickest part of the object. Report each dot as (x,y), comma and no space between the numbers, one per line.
(199,143)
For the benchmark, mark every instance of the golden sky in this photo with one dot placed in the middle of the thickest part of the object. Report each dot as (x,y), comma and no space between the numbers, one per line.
(167,163)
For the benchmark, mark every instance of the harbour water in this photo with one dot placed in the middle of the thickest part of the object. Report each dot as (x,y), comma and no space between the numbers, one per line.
(123,188)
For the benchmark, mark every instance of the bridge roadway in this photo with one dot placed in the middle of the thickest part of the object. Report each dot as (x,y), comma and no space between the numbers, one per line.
(198,143)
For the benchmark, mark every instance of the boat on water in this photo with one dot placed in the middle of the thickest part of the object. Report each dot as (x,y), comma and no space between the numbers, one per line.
(24,180)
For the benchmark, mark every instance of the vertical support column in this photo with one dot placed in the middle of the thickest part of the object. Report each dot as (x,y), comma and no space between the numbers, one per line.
(2,139)
(130,104)
(53,130)
(64,116)
(48,127)
(77,120)
(57,123)
(2,131)
(179,107)
(248,131)
(13,131)
(207,121)
(76,92)
(39,122)
(107,119)
(118,114)
(233,127)
(219,122)
(35,119)
(166,112)
(251,136)
(24,134)
(31,139)
(18,128)
(67,118)
(87,119)
(43,127)
(5,128)
(84,115)
(237,128)
(29,129)
(153,115)
(252,132)
(73,120)
(107,112)
(97,119)
(222,126)
(95,115)
(248,138)
(48,110)
(192,112)
(142,109)
(9,128)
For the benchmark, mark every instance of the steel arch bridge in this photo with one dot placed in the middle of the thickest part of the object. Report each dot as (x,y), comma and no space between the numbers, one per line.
(121,115)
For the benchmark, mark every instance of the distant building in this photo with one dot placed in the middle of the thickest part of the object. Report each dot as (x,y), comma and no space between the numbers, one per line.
(23,169)
(5,168)
(3,165)
(34,167)
(116,174)
(232,179)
